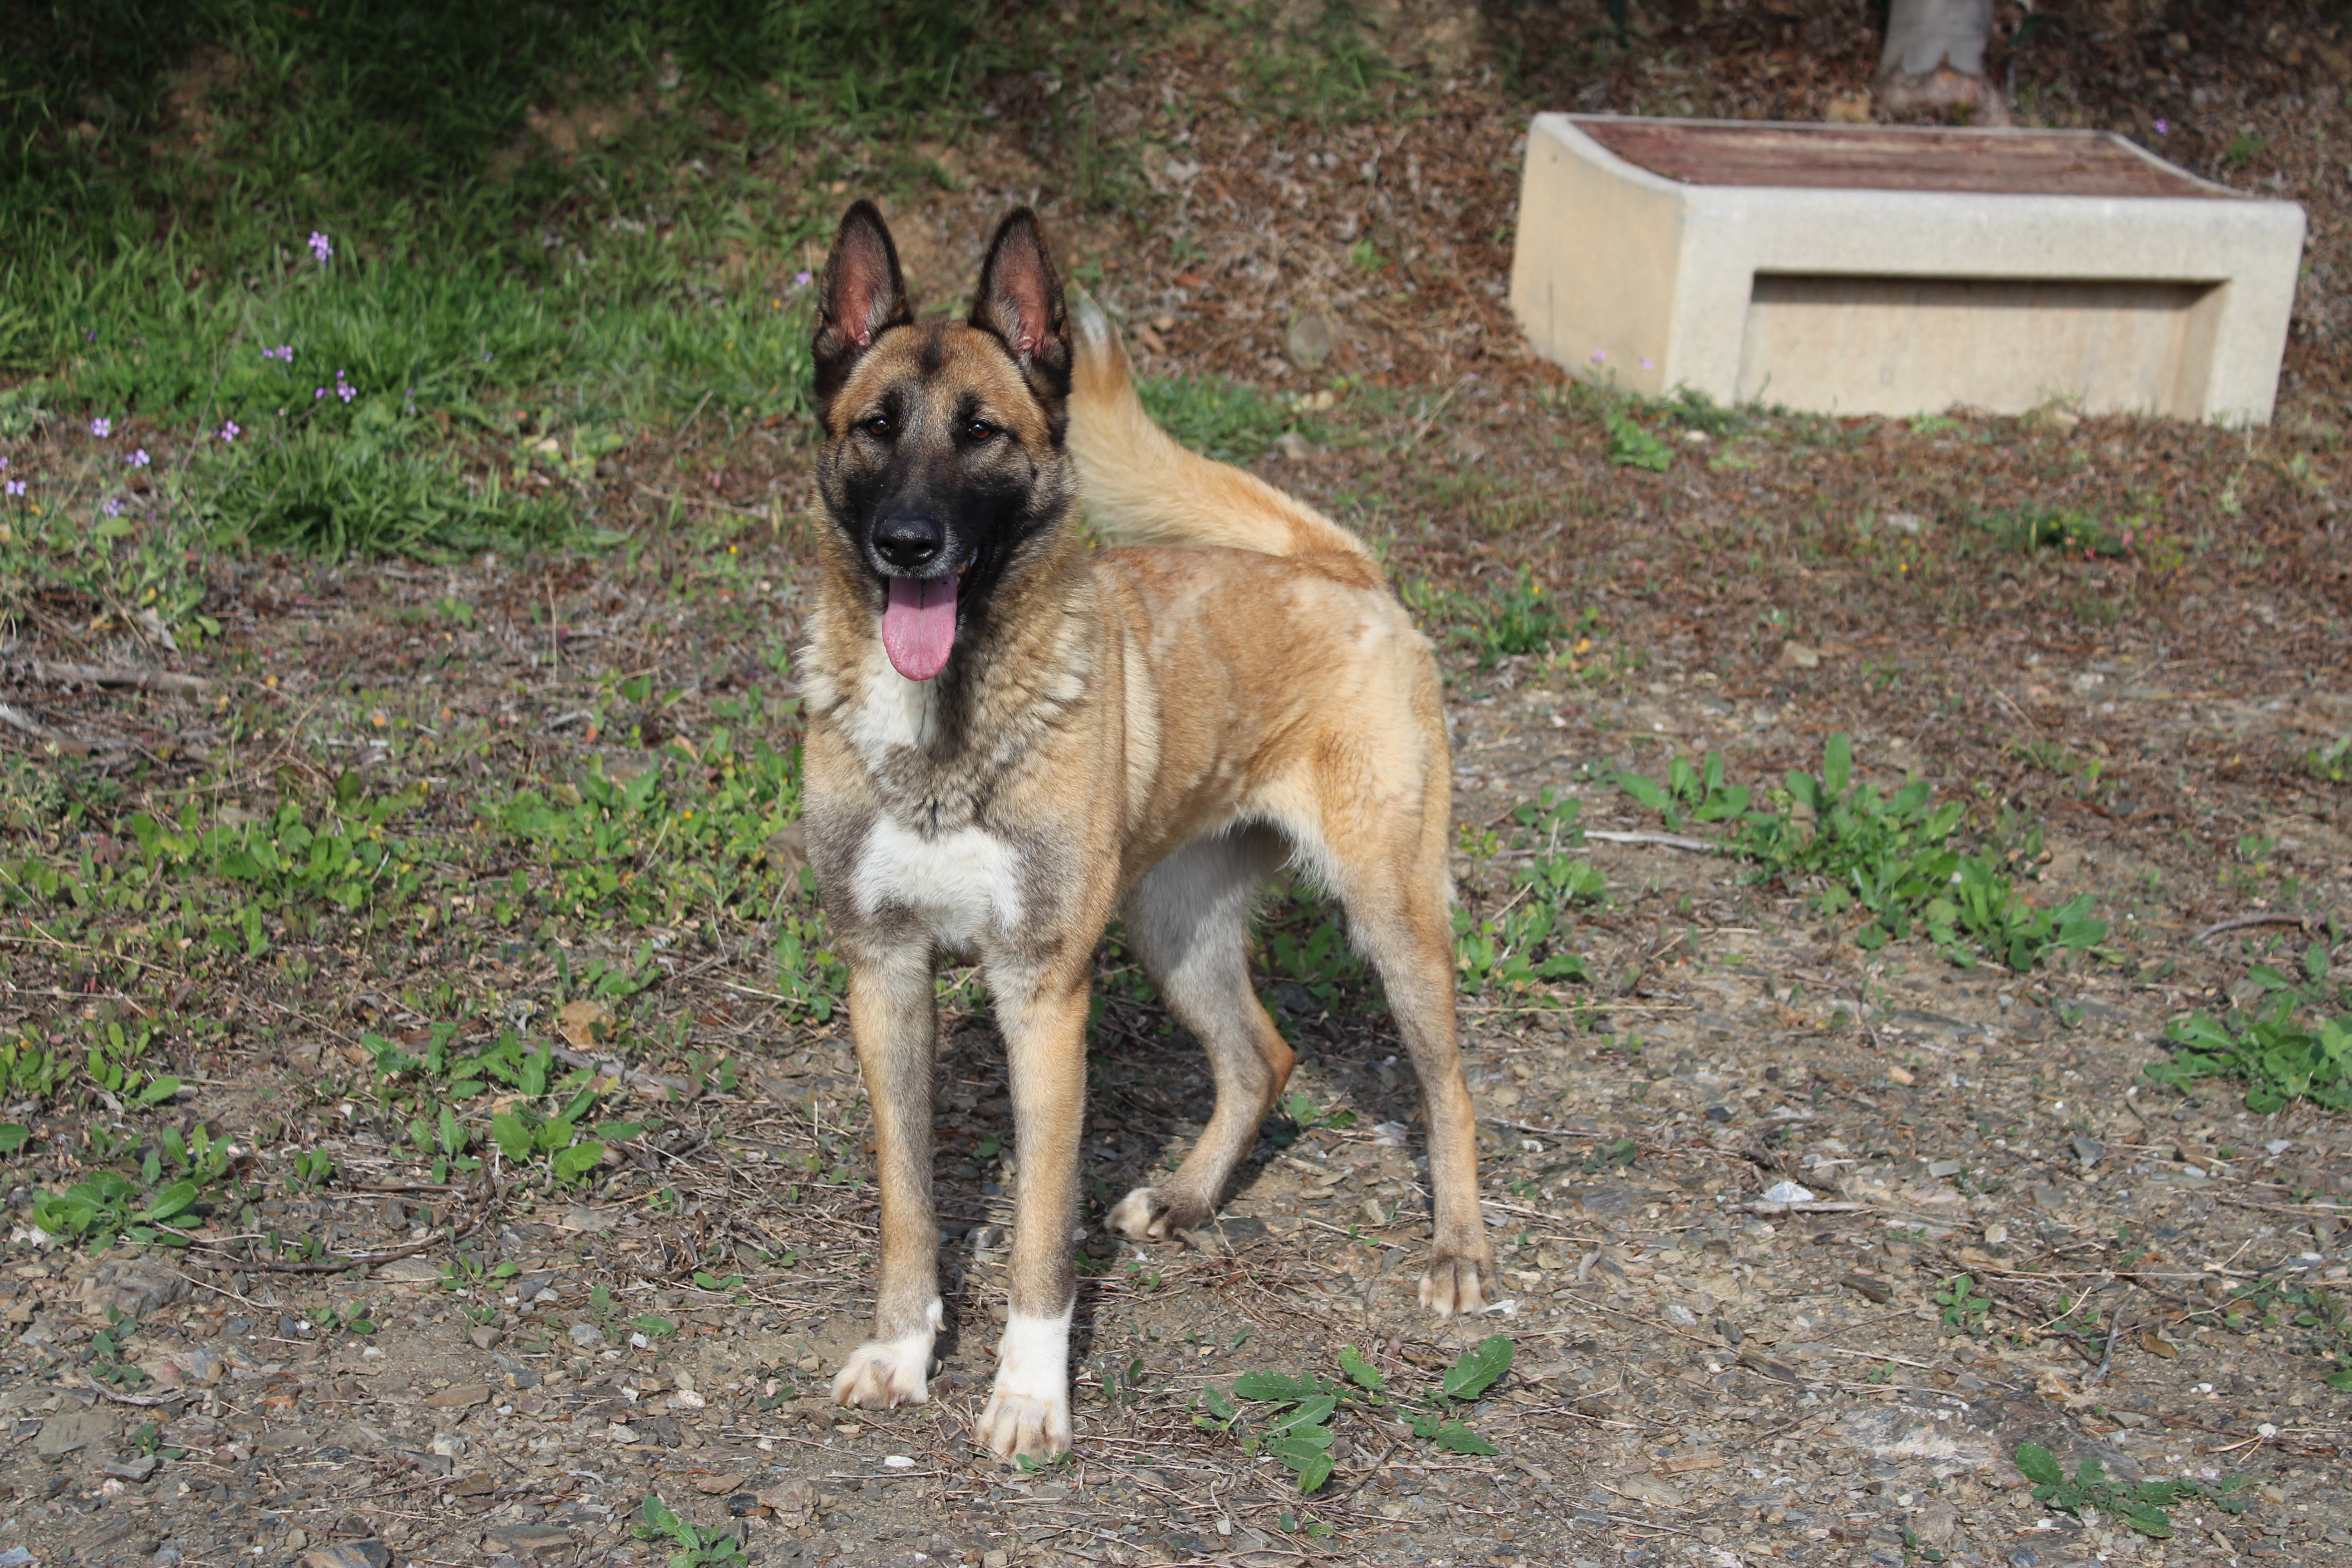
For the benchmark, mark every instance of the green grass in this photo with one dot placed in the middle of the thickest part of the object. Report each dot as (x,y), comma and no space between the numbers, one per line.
(1227,420)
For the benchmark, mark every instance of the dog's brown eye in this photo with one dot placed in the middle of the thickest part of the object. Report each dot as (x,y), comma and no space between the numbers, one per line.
(979,431)
(878,425)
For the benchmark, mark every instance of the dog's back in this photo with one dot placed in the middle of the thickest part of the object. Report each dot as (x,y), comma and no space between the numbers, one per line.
(1141,487)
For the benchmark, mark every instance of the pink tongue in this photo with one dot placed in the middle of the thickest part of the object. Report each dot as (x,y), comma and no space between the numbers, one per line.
(918,628)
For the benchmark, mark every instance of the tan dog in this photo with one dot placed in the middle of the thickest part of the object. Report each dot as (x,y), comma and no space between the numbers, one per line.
(1014,738)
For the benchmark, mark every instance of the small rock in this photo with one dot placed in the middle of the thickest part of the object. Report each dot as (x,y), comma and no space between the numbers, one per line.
(716,1486)
(1312,339)
(1788,1192)
(2049,1197)
(996,1559)
(408,1271)
(580,1216)
(899,1461)
(1652,1491)
(484,1336)
(134,1291)
(137,1469)
(686,1399)
(1297,449)
(464,1396)
(1942,1168)
(339,1555)
(620,1434)
(72,1430)
(1799,656)
(1878,1291)
(586,1335)
(449,1446)
(2088,1149)
(528,1541)
(1681,1316)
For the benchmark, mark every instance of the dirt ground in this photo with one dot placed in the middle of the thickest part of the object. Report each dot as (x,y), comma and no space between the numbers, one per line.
(1701,1375)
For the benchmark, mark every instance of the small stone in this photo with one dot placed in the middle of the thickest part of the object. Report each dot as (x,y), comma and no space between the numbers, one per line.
(342,1554)
(73,1429)
(2088,1149)
(1799,656)
(464,1396)
(620,1434)
(1294,447)
(996,1559)
(296,1539)
(1681,1317)
(717,1486)
(2049,1197)
(448,1444)
(1312,339)
(137,1469)
(587,1336)
(408,1271)
(484,1336)
(1942,1168)
(580,1216)
(1788,1192)
(899,1461)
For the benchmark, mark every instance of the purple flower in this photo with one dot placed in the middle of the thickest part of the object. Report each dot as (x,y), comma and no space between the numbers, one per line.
(318,393)
(101,428)
(2164,128)
(139,459)
(1647,365)
(321,247)
(1600,354)
(800,280)
(111,506)
(231,431)
(14,486)
(283,351)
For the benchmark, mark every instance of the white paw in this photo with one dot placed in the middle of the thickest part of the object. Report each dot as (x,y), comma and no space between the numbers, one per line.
(882,1373)
(1028,1411)
(1132,1218)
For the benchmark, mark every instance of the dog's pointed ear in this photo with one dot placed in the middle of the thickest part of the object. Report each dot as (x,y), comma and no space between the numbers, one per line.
(1020,301)
(862,296)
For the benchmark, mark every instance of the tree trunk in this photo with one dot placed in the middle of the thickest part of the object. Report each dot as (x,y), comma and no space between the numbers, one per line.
(1935,59)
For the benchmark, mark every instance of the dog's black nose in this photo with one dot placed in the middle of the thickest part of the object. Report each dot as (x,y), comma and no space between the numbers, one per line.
(909,544)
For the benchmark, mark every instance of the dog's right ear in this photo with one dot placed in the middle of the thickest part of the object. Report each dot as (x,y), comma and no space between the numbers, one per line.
(862,296)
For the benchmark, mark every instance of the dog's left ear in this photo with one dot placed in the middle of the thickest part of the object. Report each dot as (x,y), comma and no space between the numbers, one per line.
(1020,301)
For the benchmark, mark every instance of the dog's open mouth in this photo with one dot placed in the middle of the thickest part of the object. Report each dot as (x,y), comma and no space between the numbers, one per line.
(918,627)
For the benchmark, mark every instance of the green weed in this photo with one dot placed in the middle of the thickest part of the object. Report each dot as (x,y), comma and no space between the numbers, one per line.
(2295,1044)
(1633,445)
(1887,857)
(1515,618)
(696,1547)
(1517,948)
(2141,1507)
(1295,1427)
(2331,762)
(1964,1309)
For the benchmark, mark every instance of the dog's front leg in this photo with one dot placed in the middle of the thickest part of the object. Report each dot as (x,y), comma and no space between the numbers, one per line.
(1044,1020)
(894,1018)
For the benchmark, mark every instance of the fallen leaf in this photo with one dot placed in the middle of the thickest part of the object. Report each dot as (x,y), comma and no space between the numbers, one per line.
(585,1023)
(2157,1344)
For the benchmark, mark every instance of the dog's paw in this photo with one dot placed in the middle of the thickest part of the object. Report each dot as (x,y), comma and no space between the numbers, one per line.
(1148,1214)
(1028,1410)
(886,1373)
(1454,1284)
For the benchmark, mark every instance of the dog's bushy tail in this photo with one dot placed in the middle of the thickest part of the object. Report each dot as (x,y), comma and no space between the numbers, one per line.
(1141,487)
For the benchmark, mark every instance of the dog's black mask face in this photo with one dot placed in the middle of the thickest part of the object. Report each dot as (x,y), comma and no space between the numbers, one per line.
(943,440)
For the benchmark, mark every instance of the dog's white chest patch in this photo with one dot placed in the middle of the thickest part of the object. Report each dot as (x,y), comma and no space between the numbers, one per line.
(891,711)
(958,883)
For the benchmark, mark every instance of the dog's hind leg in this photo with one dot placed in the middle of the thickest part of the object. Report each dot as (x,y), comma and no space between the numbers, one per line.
(896,1021)
(1391,878)
(1188,921)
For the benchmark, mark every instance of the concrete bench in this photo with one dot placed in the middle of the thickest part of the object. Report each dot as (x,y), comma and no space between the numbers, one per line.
(1886,269)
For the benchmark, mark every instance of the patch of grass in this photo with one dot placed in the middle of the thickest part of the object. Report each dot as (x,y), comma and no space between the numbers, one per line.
(697,1548)
(2295,1044)
(2036,525)
(1513,619)
(1228,420)
(1632,445)
(1324,68)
